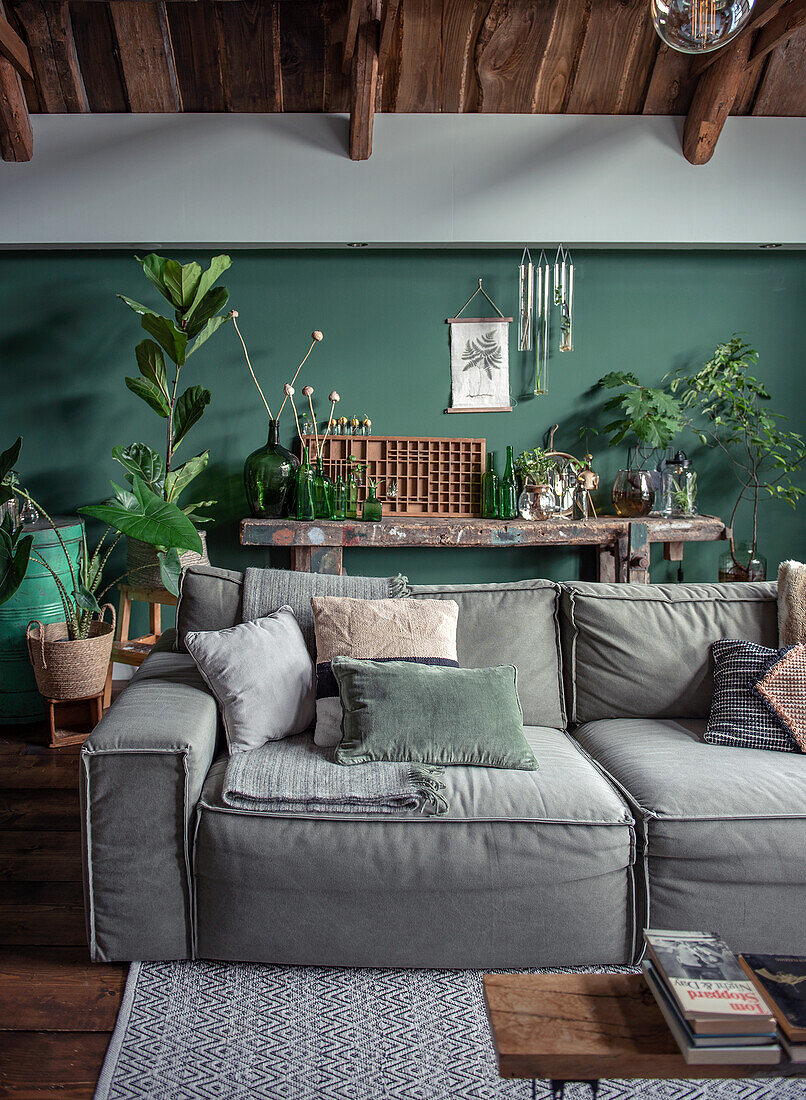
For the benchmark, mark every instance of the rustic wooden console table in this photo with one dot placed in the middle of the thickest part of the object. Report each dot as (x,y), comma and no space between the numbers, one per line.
(622,544)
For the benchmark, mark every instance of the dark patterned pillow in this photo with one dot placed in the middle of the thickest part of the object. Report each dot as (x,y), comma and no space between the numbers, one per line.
(739,716)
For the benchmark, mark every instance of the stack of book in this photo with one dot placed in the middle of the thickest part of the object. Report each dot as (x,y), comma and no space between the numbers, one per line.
(781,980)
(711,1006)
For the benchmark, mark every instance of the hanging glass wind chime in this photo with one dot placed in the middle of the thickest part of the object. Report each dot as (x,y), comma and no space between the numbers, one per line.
(535,300)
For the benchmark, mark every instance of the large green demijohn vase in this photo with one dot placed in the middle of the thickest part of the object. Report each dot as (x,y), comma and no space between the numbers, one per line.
(36,598)
(268,476)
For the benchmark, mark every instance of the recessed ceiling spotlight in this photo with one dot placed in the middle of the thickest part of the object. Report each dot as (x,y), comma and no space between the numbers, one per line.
(357,244)
(769,246)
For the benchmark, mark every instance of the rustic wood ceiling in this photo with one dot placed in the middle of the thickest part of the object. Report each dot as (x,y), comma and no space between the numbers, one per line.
(359,56)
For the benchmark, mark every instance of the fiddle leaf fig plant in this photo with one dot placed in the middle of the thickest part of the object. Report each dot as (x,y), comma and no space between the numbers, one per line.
(197,304)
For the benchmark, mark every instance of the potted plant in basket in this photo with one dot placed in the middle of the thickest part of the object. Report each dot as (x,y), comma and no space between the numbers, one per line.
(734,415)
(652,418)
(70,658)
(197,305)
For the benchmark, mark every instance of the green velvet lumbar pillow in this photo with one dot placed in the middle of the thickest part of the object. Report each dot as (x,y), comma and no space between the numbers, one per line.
(428,714)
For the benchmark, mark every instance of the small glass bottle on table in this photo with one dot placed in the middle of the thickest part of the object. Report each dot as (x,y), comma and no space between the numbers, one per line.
(490,490)
(372,510)
(305,508)
(508,492)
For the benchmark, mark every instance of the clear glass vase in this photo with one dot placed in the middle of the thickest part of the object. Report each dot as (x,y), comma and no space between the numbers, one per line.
(322,493)
(743,563)
(633,494)
(304,480)
(537,502)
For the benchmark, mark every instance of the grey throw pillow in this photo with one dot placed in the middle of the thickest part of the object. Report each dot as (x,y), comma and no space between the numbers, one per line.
(262,676)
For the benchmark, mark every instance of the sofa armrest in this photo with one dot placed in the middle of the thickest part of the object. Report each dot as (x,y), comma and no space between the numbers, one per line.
(142,771)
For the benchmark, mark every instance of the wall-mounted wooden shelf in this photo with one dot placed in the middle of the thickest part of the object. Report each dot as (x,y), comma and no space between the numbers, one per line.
(434,476)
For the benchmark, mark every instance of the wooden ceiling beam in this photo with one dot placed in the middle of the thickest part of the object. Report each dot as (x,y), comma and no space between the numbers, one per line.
(712,102)
(789,19)
(762,13)
(49,30)
(146,56)
(16,136)
(389,14)
(14,50)
(354,11)
(364,82)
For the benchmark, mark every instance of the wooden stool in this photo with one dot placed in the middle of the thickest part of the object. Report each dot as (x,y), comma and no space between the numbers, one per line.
(73,720)
(133,651)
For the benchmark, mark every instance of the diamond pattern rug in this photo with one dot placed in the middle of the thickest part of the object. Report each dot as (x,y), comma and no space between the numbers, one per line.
(237,1031)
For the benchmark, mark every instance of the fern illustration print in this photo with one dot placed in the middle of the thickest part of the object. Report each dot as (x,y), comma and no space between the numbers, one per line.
(480,364)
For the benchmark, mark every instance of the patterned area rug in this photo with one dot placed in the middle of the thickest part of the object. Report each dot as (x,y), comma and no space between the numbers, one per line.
(236,1031)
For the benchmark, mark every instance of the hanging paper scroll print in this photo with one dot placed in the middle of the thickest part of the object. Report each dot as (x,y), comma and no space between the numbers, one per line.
(480,361)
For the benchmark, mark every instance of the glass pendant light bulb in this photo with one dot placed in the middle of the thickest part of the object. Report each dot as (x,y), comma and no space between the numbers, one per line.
(699,26)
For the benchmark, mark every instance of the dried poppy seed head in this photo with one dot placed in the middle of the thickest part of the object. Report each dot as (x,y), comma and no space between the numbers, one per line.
(334,397)
(234,313)
(317,335)
(289,390)
(307,391)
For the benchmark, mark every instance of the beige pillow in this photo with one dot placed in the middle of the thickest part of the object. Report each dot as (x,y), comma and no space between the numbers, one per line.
(393,630)
(791,603)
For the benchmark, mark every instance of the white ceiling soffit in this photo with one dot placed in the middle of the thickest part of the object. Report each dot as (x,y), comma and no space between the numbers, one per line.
(460,180)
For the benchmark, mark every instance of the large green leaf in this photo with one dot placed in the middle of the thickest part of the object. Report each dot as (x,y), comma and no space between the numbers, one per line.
(178,480)
(139,460)
(154,270)
(213,325)
(218,265)
(167,335)
(151,394)
(148,518)
(152,364)
(15,553)
(208,307)
(86,599)
(181,282)
(170,570)
(8,459)
(138,307)
(189,408)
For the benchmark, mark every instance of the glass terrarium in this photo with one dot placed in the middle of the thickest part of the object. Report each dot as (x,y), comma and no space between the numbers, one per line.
(633,493)
(537,502)
(679,487)
(742,562)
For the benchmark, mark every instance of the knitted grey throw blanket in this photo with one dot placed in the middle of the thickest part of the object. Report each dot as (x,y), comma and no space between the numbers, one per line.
(264,590)
(298,777)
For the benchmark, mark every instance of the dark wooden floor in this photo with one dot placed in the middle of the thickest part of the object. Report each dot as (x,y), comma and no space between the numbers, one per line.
(56,1007)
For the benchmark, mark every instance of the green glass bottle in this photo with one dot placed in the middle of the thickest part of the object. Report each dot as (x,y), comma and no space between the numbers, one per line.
(372,510)
(351,512)
(508,507)
(322,493)
(304,485)
(269,477)
(490,489)
(339,499)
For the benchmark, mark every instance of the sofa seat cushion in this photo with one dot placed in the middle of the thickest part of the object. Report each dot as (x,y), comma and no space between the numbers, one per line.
(724,829)
(527,869)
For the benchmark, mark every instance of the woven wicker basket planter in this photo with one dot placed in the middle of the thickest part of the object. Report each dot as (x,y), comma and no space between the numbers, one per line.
(66,669)
(143,567)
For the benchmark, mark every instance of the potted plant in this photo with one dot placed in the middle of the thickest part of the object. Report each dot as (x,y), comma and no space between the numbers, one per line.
(197,305)
(70,658)
(733,414)
(538,499)
(650,417)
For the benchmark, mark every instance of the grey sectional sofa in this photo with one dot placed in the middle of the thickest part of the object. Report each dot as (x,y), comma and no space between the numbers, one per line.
(632,818)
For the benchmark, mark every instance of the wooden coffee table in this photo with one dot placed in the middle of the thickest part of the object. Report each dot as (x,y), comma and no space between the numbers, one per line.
(588,1027)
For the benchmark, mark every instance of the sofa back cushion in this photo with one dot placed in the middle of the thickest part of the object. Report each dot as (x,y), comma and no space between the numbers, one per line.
(515,623)
(644,651)
(209,599)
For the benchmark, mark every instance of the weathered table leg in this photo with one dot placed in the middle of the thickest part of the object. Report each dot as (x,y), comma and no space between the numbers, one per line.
(638,554)
(316,559)
(673,551)
(606,563)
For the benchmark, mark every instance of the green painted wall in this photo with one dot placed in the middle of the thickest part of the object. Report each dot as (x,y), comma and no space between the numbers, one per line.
(66,344)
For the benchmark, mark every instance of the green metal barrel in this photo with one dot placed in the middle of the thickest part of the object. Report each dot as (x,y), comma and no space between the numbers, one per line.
(36,598)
